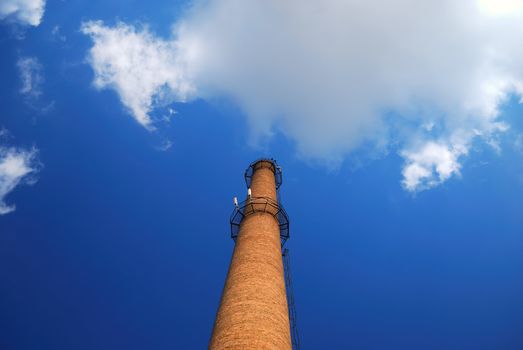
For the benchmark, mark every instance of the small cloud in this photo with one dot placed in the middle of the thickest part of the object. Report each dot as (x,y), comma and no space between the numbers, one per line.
(170,114)
(17,166)
(23,12)
(166,145)
(57,34)
(431,164)
(31,75)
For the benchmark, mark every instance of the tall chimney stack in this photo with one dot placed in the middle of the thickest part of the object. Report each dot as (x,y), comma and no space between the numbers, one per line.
(253,312)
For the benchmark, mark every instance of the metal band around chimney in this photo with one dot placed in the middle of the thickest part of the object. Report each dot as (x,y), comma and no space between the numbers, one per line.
(264,163)
(260,205)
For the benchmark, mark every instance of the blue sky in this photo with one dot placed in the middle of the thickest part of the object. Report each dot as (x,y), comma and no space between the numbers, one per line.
(402,160)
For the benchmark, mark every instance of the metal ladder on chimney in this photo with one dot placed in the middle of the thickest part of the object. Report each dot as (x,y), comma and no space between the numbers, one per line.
(290,300)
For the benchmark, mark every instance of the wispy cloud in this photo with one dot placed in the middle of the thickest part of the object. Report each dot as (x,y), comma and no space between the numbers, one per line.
(427,77)
(31,73)
(56,32)
(24,12)
(165,145)
(17,166)
(31,76)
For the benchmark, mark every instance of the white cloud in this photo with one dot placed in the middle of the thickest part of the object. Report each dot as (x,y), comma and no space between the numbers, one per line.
(431,164)
(31,76)
(16,167)
(144,70)
(332,75)
(501,8)
(25,12)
